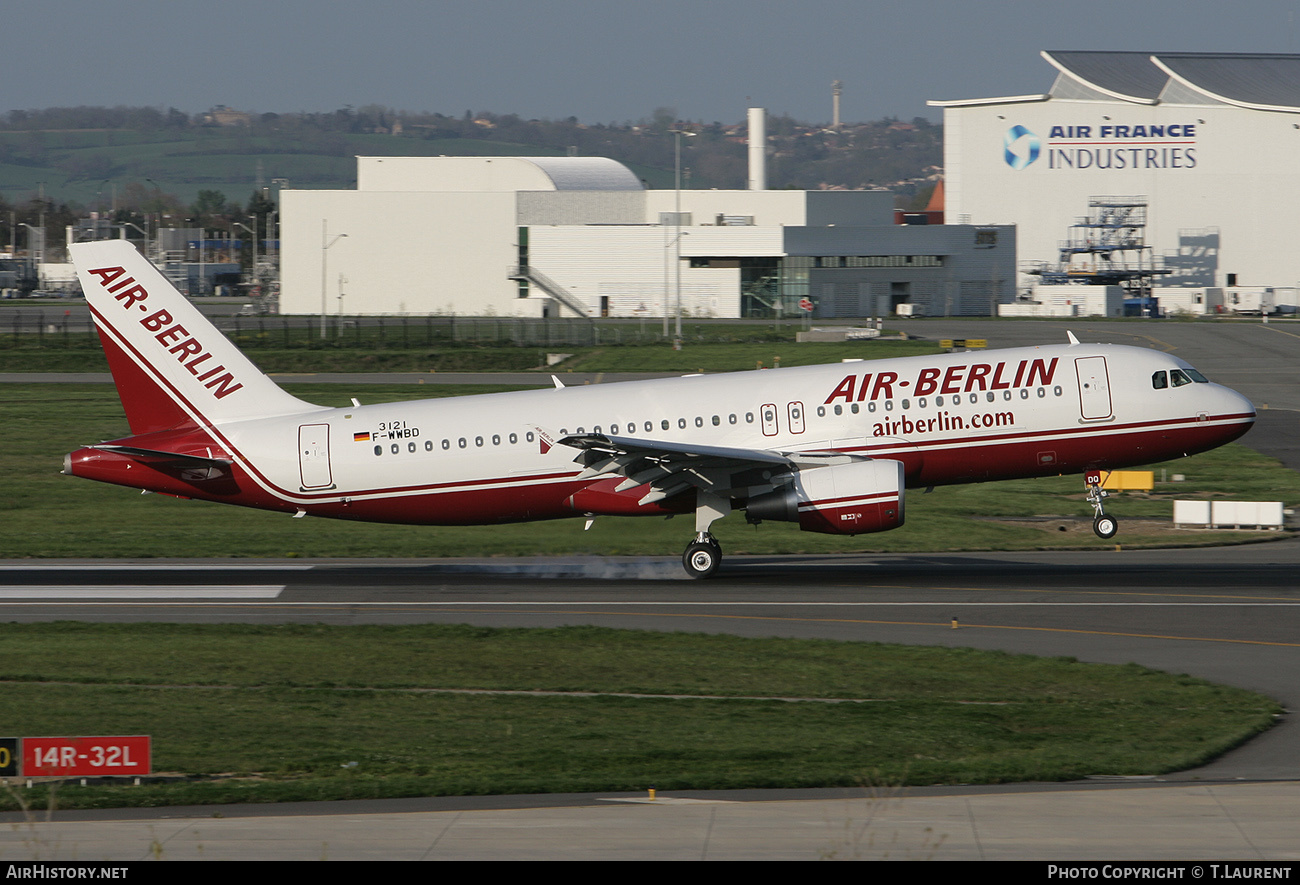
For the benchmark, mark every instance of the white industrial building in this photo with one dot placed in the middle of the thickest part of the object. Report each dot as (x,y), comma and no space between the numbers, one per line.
(568,236)
(1209,142)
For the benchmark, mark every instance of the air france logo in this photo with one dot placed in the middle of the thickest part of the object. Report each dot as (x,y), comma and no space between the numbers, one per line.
(1020,147)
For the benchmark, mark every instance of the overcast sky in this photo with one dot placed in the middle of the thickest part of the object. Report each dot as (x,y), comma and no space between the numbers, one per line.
(598,60)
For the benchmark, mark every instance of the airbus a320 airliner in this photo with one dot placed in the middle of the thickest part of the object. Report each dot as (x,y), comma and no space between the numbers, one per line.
(829,447)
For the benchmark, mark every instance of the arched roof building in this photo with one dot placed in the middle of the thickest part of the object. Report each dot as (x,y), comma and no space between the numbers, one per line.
(1210,140)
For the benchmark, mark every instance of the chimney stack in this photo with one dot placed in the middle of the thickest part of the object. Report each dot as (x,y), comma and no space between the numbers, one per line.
(757,149)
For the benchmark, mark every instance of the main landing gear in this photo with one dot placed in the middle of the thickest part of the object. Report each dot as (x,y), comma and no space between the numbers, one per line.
(1104,526)
(702,556)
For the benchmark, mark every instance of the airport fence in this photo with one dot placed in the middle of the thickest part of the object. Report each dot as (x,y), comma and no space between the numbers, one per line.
(52,328)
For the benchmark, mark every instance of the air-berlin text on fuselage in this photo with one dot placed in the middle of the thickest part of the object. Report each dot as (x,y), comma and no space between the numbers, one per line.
(188,351)
(954,379)
(1113,146)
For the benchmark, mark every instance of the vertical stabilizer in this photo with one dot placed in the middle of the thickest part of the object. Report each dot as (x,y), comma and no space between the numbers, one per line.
(170,364)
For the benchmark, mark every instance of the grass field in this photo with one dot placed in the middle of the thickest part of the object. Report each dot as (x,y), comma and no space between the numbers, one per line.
(287,713)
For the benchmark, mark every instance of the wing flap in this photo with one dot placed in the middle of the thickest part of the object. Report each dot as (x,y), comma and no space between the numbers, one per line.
(671,468)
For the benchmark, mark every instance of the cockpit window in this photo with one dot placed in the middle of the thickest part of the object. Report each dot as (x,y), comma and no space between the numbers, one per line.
(1179,377)
(1159,380)
(1197,376)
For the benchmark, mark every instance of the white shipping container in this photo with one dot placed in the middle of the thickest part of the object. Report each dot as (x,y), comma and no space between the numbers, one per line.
(1191,513)
(1246,514)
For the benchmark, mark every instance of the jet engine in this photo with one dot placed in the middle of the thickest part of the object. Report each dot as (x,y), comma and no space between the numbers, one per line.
(843,499)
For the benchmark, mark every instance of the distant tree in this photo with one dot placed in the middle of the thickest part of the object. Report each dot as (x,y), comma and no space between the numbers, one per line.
(210,210)
(662,119)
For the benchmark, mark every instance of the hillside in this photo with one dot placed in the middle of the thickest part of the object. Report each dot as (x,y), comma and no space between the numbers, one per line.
(147,168)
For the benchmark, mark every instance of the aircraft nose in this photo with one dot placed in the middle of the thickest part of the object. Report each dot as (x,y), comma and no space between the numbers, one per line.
(1239,404)
(1235,410)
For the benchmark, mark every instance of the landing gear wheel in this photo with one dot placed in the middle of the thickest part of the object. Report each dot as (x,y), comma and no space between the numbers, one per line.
(701,558)
(1105,527)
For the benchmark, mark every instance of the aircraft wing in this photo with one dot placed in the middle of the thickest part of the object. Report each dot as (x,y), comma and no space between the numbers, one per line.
(669,468)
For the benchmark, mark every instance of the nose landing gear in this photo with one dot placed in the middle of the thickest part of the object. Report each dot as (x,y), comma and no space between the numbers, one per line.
(1104,526)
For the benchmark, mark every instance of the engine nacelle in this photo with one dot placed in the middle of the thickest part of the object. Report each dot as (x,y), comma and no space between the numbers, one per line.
(844,499)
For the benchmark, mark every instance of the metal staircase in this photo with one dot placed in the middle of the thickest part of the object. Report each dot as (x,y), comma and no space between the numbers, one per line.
(535,277)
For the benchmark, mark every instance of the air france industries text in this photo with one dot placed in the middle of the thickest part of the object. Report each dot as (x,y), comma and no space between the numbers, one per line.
(1122,158)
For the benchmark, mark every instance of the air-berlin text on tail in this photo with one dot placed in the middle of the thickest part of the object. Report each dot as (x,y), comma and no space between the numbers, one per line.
(187,349)
(954,379)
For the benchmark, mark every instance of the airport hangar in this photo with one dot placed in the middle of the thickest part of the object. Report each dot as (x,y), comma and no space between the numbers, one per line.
(1209,140)
(568,236)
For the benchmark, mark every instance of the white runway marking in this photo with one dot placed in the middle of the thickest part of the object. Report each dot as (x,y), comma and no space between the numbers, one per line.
(146,567)
(161,591)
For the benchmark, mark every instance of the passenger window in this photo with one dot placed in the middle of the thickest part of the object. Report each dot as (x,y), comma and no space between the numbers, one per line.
(664,424)
(1159,380)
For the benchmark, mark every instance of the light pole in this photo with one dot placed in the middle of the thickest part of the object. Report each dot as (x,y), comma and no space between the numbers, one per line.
(677,222)
(252,270)
(325,243)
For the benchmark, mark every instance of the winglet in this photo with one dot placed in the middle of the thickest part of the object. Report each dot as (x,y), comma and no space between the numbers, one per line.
(558,382)
(1070,335)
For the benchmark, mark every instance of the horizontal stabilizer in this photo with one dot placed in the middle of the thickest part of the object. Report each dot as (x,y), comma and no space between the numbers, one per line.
(155,458)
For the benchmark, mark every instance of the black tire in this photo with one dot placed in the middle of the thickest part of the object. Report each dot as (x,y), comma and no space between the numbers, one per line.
(1105,527)
(701,559)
